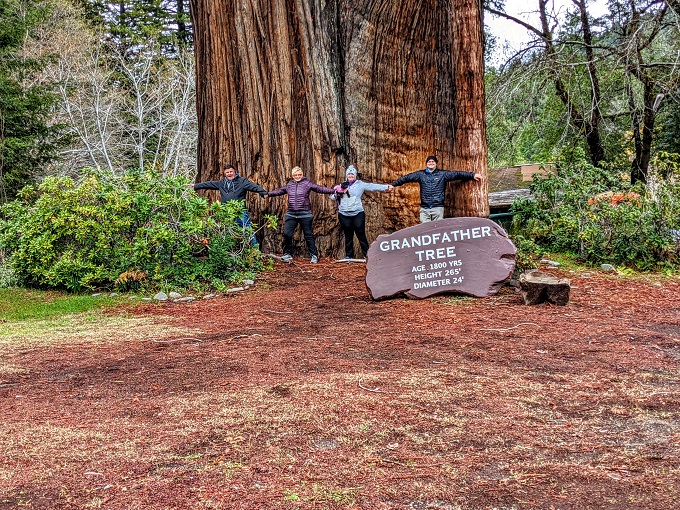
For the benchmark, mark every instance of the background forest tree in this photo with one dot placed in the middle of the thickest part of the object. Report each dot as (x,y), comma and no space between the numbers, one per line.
(613,83)
(28,140)
(128,23)
(126,101)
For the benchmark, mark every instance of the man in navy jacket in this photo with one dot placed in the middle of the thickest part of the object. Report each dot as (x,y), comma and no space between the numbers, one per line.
(433,187)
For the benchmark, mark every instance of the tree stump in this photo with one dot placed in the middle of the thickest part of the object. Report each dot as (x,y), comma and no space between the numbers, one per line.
(537,287)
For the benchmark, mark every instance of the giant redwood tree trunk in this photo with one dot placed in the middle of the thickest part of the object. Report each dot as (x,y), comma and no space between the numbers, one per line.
(470,126)
(325,83)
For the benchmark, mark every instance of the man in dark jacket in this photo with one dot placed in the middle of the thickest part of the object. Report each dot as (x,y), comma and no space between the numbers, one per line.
(433,187)
(234,187)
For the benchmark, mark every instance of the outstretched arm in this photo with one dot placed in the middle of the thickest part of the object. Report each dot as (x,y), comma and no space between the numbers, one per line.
(458,175)
(412,177)
(372,186)
(321,189)
(277,192)
(254,187)
(207,185)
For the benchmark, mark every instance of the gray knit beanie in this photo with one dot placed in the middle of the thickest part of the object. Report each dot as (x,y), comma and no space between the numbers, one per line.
(351,170)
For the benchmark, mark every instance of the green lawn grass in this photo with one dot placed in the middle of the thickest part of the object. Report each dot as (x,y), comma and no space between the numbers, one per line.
(18,304)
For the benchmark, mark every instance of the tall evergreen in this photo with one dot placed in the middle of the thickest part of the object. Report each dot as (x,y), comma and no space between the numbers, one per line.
(27,141)
(130,22)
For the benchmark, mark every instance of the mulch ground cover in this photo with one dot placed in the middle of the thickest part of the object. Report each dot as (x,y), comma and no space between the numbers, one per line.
(302,392)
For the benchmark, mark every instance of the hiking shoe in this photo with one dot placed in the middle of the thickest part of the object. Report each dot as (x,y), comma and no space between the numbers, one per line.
(286,257)
(315,259)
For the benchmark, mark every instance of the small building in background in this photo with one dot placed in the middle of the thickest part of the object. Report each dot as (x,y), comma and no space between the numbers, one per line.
(509,182)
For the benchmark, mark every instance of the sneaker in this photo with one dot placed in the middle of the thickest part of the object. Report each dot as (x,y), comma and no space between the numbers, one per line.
(286,257)
(315,259)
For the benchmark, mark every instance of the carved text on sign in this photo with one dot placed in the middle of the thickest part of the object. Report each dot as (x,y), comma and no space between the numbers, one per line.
(465,255)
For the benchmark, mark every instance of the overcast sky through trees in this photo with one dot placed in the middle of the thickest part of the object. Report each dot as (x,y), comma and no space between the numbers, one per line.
(510,36)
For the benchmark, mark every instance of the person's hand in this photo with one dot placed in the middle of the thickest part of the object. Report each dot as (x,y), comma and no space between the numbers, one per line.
(264,194)
(390,187)
(477,177)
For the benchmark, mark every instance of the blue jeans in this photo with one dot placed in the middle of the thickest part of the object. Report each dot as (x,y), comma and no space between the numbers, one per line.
(244,222)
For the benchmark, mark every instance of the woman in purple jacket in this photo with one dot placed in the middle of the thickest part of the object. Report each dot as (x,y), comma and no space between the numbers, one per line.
(299,212)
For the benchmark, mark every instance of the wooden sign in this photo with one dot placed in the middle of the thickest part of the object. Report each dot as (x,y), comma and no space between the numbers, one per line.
(464,255)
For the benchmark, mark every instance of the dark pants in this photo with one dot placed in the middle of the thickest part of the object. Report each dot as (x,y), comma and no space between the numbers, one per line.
(354,225)
(289,226)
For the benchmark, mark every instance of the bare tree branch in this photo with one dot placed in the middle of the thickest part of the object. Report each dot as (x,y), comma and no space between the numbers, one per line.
(526,25)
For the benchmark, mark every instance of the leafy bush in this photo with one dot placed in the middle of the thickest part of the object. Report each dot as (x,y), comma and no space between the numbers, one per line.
(592,213)
(133,230)
(8,277)
(528,253)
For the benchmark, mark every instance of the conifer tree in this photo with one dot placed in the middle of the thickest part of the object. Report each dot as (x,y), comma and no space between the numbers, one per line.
(129,22)
(27,141)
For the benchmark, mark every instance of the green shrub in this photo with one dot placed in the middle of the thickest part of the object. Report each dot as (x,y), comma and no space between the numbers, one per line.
(8,277)
(592,213)
(528,253)
(129,231)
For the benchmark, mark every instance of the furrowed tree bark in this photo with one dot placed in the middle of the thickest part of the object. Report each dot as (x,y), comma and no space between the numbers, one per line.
(322,84)
(470,151)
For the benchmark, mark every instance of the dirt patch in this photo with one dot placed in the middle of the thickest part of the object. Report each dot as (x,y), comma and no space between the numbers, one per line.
(304,393)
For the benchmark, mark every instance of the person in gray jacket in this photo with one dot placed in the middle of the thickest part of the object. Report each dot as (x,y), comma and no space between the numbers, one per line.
(234,187)
(351,213)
